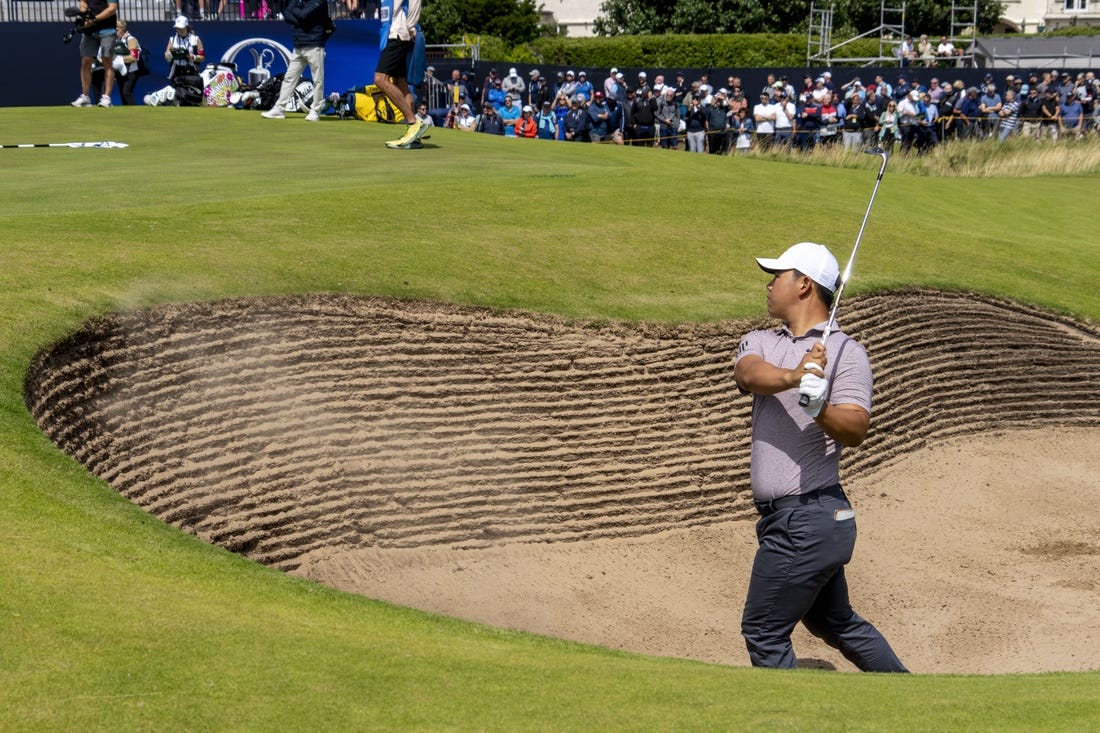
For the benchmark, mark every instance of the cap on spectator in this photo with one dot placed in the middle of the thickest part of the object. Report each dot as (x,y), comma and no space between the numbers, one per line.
(561,74)
(431,68)
(819,80)
(528,108)
(512,71)
(641,75)
(582,72)
(598,95)
(827,74)
(914,95)
(778,85)
(614,71)
(546,103)
(570,73)
(578,98)
(618,75)
(465,107)
(972,90)
(670,90)
(182,22)
(811,259)
(534,72)
(1025,89)
(723,90)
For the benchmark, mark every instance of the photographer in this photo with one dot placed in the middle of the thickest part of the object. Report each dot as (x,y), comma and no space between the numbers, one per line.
(96,21)
(184,50)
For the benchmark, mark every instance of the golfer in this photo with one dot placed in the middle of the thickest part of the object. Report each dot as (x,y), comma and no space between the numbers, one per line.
(400,66)
(807,527)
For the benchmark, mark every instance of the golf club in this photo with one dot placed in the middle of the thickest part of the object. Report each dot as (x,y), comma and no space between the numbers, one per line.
(804,399)
(105,144)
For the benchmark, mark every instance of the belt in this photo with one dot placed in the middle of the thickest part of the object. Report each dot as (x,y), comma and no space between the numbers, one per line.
(767,508)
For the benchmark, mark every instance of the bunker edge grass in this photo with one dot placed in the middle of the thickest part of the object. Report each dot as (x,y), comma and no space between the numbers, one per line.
(113,620)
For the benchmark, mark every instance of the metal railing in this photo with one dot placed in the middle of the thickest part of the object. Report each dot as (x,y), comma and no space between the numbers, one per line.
(49,11)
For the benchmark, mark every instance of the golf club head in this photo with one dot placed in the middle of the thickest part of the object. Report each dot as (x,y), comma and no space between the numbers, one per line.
(877,150)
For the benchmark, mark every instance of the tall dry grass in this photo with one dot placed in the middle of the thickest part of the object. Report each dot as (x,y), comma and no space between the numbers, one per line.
(1013,158)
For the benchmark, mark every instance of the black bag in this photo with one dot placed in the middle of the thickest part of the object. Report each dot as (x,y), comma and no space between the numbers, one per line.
(189,88)
(143,62)
(268,90)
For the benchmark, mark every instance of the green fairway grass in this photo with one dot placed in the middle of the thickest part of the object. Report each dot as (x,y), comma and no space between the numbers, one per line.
(111,620)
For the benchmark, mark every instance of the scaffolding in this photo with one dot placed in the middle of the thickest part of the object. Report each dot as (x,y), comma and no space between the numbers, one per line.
(890,31)
(964,31)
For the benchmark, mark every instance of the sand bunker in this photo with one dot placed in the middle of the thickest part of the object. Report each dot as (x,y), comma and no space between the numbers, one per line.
(589,480)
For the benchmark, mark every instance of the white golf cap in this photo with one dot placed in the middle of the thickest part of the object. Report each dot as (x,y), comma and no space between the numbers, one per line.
(811,259)
(182,22)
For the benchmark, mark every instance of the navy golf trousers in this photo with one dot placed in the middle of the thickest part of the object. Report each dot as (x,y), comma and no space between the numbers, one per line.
(798,575)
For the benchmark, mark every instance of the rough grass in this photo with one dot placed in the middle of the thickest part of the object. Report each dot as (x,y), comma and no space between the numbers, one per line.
(111,620)
(1012,159)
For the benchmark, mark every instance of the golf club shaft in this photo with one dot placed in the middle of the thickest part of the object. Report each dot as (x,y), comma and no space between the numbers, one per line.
(805,400)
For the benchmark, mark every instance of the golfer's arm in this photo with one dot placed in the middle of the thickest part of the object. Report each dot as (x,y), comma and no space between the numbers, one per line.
(846,424)
(755,375)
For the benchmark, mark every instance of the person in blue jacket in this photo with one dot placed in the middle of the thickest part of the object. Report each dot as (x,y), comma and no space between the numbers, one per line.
(312,28)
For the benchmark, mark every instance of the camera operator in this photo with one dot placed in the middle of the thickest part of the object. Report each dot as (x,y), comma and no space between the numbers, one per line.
(184,50)
(97,40)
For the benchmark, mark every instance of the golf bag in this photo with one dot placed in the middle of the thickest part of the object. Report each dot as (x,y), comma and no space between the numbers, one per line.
(368,103)
(189,89)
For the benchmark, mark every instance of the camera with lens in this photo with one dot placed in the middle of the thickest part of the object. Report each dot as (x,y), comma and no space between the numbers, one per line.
(180,53)
(79,18)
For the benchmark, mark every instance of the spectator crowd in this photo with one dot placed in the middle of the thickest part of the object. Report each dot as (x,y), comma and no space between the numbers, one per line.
(705,117)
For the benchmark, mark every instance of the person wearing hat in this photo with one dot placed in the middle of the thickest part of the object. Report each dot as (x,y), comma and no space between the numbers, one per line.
(489,83)
(668,119)
(1031,111)
(718,123)
(547,121)
(526,126)
(599,119)
(496,95)
(538,91)
(643,118)
(584,87)
(806,530)
(1049,111)
(489,122)
(575,124)
(184,51)
(568,88)
(513,84)
(966,113)
(643,85)
(461,118)
(97,43)
(785,115)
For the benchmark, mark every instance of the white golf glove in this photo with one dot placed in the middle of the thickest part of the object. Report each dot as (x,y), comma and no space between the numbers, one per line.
(812,387)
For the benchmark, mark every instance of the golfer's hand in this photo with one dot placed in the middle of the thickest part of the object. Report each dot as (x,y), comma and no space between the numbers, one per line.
(817,357)
(811,390)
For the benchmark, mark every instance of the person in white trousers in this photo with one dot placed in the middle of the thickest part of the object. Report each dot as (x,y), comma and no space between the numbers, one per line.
(312,28)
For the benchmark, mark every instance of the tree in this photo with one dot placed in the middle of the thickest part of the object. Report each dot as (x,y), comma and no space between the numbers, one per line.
(640,17)
(513,21)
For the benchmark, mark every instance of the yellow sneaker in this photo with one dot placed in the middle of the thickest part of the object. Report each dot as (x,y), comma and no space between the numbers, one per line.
(412,134)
